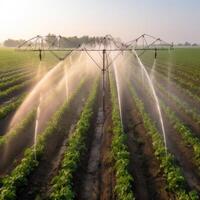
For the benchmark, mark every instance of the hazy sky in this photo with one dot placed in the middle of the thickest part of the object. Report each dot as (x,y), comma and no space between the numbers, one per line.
(172,20)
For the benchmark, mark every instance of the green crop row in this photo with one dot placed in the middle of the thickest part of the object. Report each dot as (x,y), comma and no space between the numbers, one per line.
(15,75)
(19,176)
(186,134)
(6,93)
(186,59)
(182,84)
(12,106)
(11,59)
(62,184)
(6,84)
(123,187)
(194,73)
(181,89)
(8,73)
(184,80)
(174,71)
(20,128)
(175,180)
(189,75)
(193,87)
(180,104)
(186,83)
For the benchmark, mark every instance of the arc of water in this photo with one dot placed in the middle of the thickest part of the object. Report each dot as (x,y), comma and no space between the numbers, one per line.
(66,82)
(118,90)
(80,57)
(154,96)
(37,123)
(38,111)
(66,73)
(169,68)
(152,72)
(70,60)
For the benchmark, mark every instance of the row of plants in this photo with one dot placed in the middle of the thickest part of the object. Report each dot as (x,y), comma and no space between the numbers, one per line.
(16,80)
(10,72)
(16,75)
(19,175)
(186,59)
(18,129)
(185,70)
(120,154)
(14,89)
(12,60)
(12,106)
(186,134)
(62,184)
(185,91)
(185,81)
(193,87)
(175,71)
(175,180)
(180,86)
(179,103)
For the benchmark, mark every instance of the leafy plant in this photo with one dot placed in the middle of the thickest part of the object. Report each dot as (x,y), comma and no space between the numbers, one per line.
(20,128)
(12,106)
(175,180)
(123,187)
(19,175)
(62,184)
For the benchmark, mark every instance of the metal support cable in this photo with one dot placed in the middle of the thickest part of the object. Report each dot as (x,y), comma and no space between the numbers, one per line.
(93,59)
(113,60)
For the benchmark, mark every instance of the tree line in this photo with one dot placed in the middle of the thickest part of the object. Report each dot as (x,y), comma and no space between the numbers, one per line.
(63,42)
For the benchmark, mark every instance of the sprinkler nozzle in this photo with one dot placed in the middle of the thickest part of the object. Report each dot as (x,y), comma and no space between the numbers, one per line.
(40,54)
(155,53)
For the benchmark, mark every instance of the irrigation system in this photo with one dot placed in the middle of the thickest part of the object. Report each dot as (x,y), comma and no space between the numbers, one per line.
(104,47)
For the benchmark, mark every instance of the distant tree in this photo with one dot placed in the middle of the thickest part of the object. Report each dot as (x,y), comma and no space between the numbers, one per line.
(64,42)
(187,44)
(194,44)
(179,44)
(51,40)
(72,42)
(12,43)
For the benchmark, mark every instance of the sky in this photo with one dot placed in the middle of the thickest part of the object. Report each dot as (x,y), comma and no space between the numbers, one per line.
(172,20)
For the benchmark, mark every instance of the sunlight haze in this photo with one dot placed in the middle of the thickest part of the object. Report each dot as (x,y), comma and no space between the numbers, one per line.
(176,21)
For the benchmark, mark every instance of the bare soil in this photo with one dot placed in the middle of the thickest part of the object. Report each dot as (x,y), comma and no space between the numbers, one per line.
(183,154)
(149,181)
(40,179)
(98,180)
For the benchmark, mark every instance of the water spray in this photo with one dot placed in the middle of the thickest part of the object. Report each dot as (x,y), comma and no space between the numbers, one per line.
(118,91)
(155,98)
(107,45)
(37,124)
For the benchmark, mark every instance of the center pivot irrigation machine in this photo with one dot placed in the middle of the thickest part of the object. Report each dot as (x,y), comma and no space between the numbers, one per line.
(104,46)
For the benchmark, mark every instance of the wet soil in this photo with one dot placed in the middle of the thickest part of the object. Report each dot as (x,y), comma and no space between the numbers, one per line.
(149,181)
(49,164)
(183,154)
(98,179)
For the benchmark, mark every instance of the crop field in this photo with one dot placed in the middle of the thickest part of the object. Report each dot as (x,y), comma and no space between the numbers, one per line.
(59,142)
